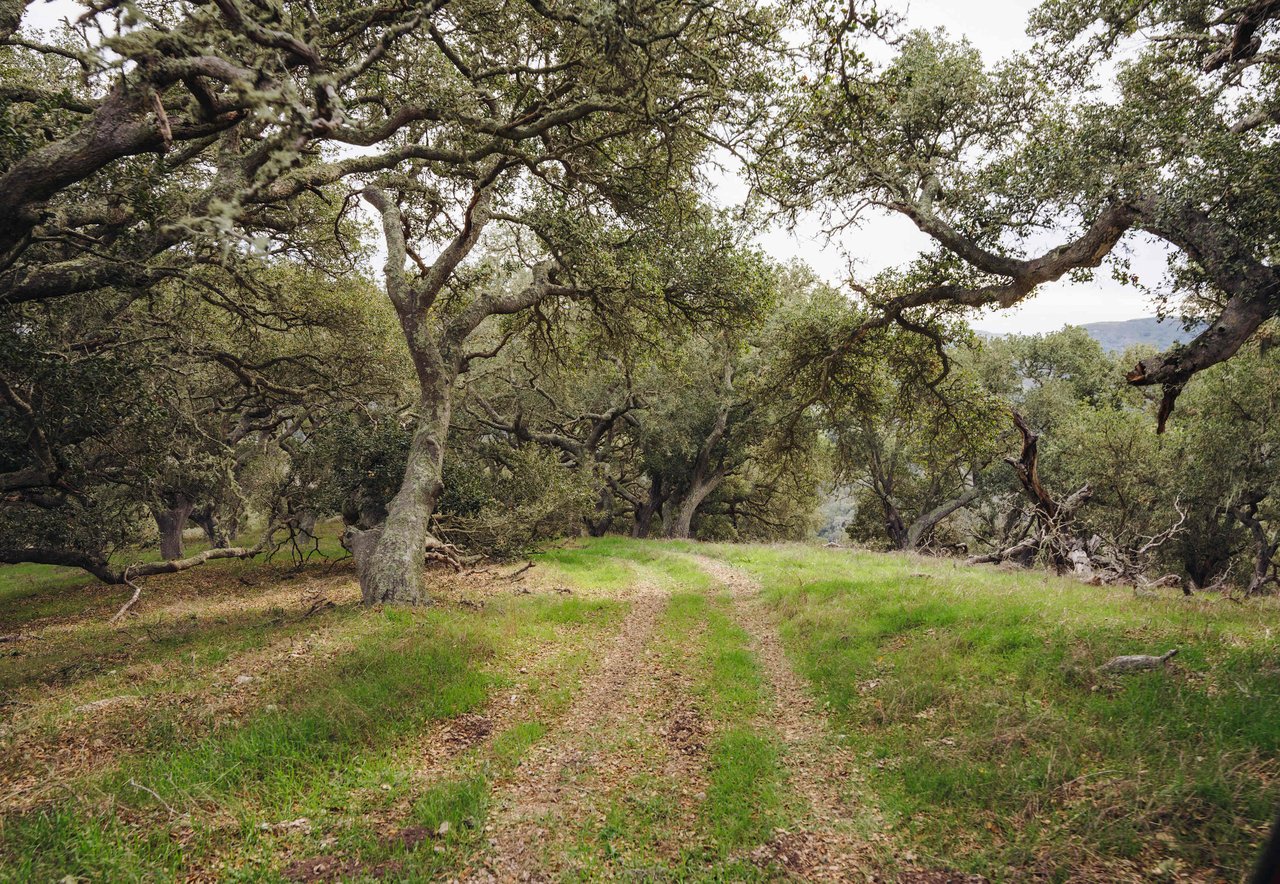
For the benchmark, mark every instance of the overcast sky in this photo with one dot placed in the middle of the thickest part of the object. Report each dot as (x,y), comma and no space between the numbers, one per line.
(996,28)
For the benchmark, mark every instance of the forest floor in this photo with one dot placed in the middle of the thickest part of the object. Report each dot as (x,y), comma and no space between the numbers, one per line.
(633,710)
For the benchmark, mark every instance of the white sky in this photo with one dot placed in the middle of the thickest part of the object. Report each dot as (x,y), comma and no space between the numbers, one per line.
(996,29)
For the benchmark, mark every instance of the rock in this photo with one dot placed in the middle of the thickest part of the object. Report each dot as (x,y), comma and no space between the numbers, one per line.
(244,679)
(444,829)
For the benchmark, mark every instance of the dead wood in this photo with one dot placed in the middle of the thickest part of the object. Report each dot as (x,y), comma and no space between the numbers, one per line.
(1136,662)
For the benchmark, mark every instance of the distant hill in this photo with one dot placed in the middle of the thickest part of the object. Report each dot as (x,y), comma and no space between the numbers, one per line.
(1116,336)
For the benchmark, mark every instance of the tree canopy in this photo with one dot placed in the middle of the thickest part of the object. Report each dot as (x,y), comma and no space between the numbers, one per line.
(568,330)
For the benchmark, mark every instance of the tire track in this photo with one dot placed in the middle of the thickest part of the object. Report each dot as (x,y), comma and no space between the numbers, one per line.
(544,793)
(824,846)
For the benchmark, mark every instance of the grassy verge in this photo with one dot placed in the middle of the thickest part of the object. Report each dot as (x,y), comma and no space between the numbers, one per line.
(990,738)
(333,744)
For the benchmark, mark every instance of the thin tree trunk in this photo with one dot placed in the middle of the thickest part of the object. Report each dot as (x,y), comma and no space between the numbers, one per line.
(171,522)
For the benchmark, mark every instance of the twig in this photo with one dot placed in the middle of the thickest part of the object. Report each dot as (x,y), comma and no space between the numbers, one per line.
(154,794)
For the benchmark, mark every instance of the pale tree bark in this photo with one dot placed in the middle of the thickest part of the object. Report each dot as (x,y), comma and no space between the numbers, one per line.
(390,557)
(97,564)
(709,469)
(392,570)
(921,527)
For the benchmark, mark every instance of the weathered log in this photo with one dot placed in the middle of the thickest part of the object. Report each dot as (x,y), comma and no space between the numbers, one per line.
(1136,662)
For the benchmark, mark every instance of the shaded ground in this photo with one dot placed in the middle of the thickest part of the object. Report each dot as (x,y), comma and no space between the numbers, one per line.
(634,711)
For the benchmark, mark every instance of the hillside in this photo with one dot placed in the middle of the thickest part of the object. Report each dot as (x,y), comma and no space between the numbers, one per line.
(1119,335)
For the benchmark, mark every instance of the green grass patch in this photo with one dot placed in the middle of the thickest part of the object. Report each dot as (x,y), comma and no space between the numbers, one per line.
(326,746)
(973,698)
(617,562)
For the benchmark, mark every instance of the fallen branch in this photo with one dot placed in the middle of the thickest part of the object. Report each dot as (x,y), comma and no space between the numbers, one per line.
(124,609)
(316,602)
(515,574)
(154,794)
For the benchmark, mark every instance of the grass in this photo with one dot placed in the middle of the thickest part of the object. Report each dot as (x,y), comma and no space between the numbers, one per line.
(969,698)
(331,742)
(744,794)
(643,831)
(992,742)
(30,594)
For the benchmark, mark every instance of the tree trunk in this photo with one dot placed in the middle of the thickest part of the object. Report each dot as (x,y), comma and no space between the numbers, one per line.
(894,527)
(172,522)
(680,523)
(923,526)
(705,477)
(1054,517)
(1265,547)
(208,523)
(651,507)
(390,564)
(599,526)
(307,525)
